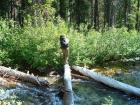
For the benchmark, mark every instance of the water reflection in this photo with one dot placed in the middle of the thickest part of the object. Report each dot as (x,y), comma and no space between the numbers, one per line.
(127,72)
(99,94)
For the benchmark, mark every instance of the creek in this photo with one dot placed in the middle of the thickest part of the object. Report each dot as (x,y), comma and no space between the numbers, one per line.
(85,92)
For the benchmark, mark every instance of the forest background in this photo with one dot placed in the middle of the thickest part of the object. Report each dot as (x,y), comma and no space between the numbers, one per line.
(98,30)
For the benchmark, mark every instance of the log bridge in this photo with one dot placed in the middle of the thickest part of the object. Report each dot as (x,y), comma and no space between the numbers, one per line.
(68,93)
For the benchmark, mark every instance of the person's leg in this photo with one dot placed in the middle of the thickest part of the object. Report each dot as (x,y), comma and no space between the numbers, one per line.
(65,55)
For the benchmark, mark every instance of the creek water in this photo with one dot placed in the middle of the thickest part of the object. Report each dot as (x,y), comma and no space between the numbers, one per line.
(85,92)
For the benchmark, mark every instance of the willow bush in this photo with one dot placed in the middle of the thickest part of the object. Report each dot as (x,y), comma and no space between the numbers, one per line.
(99,47)
(38,45)
(114,44)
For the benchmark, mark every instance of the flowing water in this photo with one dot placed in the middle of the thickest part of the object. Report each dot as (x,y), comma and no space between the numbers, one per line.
(85,92)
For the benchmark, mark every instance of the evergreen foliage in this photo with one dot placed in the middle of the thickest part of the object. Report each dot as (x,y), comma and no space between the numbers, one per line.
(99,14)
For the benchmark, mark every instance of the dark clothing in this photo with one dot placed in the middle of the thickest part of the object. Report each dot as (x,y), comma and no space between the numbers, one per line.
(65,55)
(65,48)
(63,42)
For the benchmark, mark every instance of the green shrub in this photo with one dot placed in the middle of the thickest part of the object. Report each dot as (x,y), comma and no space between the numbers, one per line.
(38,46)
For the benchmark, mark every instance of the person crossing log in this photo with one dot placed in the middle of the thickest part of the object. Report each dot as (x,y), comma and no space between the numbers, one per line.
(68,93)
(65,48)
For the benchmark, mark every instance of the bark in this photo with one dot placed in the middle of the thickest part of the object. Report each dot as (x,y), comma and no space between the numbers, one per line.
(63,9)
(91,13)
(108,81)
(7,84)
(113,13)
(23,76)
(125,12)
(137,16)
(71,11)
(68,95)
(96,16)
(108,12)
(77,12)
(81,77)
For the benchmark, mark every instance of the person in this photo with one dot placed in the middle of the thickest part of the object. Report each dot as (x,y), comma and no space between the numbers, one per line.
(64,45)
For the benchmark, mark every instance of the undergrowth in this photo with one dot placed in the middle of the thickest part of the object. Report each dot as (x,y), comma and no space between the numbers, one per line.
(38,45)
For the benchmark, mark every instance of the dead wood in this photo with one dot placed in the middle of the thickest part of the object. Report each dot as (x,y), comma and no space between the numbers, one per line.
(108,81)
(68,93)
(81,77)
(23,76)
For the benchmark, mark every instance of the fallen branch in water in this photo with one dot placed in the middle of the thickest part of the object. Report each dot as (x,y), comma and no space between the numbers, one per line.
(23,76)
(108,81)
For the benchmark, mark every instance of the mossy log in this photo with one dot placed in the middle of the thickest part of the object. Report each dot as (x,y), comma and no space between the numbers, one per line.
(68,93)
(23,76)
(108,81)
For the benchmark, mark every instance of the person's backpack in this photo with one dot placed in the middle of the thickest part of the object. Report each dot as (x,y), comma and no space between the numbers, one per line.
(63,42)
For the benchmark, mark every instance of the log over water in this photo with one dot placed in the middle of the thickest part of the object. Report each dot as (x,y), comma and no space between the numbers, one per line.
(108,81)
(68,95)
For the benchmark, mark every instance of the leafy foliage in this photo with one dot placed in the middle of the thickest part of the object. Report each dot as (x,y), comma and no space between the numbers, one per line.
(38,46)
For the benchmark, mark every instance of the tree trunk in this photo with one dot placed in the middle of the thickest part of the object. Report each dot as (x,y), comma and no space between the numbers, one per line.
(63,9)
(77,12)
(96,16)
(137,15)
(113,13)
(108,81)
(81,77)
(23,76)
(91,13)
(71,11)
(68,95)
(125,13)
(108,12)
(105,14)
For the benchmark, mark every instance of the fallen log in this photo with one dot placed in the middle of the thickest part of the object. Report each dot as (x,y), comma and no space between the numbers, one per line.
(108,81)
(23,76)
(68,93)
(81,77)
(7,84)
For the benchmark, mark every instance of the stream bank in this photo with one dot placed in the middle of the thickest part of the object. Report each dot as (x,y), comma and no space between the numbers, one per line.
(85,92)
